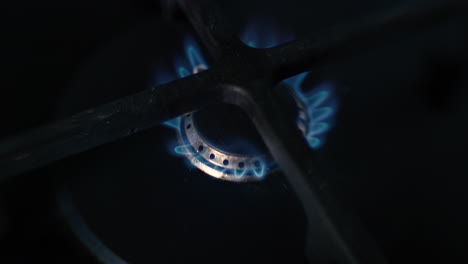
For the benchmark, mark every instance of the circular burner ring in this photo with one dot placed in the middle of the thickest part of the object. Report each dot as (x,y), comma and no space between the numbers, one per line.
(218,163)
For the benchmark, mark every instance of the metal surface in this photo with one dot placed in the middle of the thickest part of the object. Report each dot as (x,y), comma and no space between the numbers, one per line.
(242,76)
(218,163)
(106,123)
(134,113)
(335,235)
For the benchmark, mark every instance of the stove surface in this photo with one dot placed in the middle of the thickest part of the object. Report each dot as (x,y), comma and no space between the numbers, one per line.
(393,150)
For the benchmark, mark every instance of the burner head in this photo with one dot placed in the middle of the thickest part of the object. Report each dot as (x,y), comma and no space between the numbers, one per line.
(222,141)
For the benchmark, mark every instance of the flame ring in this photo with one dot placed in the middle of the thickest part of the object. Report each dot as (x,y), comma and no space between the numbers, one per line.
(218,163)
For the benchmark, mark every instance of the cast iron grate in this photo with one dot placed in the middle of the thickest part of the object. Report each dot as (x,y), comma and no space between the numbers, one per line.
(242,76)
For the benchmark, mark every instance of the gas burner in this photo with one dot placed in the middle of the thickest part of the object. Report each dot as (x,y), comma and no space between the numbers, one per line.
(243,165)
(237,153)
(223,143)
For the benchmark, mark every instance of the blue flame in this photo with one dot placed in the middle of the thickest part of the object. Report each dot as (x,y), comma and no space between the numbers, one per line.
(182,149)
(239,173)
(178,150)
(183,66)
(194,55)
(320,104)
(260,169)
(262,35)
(174,123)
(183,72)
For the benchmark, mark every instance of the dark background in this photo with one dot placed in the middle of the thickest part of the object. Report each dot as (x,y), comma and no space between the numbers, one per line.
(397,154)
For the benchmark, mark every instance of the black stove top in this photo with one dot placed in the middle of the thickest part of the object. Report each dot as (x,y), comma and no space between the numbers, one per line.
(221,131)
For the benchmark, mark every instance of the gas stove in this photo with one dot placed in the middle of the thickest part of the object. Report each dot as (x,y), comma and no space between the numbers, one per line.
(232,150)
(221,140)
